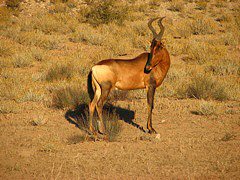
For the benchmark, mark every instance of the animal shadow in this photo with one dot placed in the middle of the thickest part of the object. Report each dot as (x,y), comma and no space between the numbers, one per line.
(79,116)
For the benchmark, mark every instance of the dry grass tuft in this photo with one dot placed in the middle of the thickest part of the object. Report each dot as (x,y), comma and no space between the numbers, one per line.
(13,3)
(7,107)
(203,52)
(22,60)
(119,95)
(58,72)
(112,125)
(68,97)
(205,108)
(176,6)
(104,12)
(203,87)
(6,49)
(228,137)
(203,25)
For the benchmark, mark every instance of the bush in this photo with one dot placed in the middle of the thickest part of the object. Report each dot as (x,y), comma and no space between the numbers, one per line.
(104,12)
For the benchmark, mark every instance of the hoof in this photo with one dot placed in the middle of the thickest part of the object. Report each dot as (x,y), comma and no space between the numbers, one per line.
(101,132)
(92,130)
(152,131)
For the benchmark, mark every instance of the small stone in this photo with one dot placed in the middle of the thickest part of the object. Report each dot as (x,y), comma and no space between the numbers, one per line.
(158,136)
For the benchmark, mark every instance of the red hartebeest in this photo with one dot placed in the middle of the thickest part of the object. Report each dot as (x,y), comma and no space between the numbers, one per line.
(147,70)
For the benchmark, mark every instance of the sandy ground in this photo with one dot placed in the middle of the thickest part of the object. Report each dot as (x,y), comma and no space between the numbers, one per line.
(189,145)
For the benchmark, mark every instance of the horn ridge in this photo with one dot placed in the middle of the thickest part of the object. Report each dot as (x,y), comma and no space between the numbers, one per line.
(162,28)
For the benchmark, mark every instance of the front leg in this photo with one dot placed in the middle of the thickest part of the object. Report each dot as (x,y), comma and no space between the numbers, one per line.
(150,100)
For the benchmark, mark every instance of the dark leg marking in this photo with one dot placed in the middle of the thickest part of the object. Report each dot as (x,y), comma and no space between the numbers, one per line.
(150,100)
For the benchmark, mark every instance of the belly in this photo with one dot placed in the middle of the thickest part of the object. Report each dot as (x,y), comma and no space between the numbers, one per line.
(130,84)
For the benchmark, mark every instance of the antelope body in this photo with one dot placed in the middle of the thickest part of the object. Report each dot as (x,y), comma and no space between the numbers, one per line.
(147,70)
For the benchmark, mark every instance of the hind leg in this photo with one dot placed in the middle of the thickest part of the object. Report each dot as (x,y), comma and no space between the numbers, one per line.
(105,91)
(93,104)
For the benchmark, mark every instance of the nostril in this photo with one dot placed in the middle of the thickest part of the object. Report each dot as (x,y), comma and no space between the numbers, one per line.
(147,69)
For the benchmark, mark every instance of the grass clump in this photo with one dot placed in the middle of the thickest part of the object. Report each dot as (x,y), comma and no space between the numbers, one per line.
(112,126)
(8,107)
(38,54)
(6,49)
(205,108)
(88,35)
(21,60)
(68,97)
(203,25)
(104,12)
(13,3)
(203,52)
(203,87)
(201,5)
(59,72)
(228,136)
(118,95)
(176,6)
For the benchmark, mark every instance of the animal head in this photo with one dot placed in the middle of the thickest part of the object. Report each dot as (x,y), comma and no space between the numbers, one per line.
(155,55)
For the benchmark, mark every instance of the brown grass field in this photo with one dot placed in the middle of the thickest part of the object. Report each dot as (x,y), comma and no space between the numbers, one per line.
(47,48)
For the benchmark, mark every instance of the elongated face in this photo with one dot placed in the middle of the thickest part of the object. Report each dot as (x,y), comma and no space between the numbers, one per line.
(154,56)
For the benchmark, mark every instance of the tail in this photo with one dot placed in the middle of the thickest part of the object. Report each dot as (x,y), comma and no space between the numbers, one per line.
(90,87)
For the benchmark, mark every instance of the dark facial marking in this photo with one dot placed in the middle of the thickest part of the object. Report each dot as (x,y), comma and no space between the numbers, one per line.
(146,71)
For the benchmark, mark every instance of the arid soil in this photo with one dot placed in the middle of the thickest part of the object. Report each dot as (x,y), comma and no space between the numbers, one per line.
(190,146)
(47,48)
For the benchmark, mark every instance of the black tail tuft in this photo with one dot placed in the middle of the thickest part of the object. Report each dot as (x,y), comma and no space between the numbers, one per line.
(90,87)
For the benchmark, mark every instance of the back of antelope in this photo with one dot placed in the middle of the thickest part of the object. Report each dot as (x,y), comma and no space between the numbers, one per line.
(147,70)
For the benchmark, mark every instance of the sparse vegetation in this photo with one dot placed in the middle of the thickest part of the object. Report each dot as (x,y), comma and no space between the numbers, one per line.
(203,25)
(47,48)
(228,137)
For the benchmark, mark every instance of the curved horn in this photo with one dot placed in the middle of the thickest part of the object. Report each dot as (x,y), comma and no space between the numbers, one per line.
(160,34)
(151,27)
